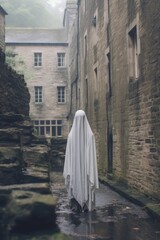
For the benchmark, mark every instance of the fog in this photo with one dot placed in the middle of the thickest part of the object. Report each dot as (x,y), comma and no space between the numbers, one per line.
(37,13)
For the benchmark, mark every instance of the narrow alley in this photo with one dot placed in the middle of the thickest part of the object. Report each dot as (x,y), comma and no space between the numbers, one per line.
(102,60)
(115,218)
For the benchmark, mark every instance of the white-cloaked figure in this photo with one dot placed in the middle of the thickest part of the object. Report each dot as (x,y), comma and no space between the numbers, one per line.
(80,167)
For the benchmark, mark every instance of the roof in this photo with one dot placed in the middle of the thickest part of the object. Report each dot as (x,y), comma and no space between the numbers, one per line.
(3,11)
(35,36)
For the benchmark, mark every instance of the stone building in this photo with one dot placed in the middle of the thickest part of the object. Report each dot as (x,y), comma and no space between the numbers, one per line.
(89,71)
(71,19)
(2,28)
(116,81)
(135,77)
(41,55)
(112,72)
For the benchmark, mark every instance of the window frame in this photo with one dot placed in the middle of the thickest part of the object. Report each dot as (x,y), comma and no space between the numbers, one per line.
(133,53)
(37,59)
(61,59)
(61,94)
(134,49)
(55,126)
(38,94)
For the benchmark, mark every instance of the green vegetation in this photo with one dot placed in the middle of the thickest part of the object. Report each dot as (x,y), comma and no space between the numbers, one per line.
(15,61)
(29,13)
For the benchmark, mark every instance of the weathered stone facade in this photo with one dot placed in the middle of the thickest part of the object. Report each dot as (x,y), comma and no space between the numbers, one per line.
(89,73)
(135,103)
(50,115)
(73,69)
(118,87)
(49,76)
(113,67)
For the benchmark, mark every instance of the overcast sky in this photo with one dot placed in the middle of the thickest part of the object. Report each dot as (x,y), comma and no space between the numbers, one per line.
(21,13)
(59,4)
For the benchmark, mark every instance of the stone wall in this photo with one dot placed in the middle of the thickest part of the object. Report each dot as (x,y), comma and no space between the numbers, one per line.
(135,104)
(73,69)
(89,93)
(119,90)
(57,155)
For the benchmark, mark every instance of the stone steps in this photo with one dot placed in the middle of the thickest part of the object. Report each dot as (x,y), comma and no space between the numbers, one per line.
(10,165)
(57,154)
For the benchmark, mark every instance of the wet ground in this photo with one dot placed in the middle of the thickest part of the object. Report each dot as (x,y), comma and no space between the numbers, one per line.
(115,218)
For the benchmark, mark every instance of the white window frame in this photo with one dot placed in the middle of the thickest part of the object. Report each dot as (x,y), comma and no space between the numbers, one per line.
(61,94)
(37,59)
(38,94)
(48,128)
(61,59)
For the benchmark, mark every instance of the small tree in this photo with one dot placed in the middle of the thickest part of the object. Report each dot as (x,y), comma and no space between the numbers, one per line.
(16,61)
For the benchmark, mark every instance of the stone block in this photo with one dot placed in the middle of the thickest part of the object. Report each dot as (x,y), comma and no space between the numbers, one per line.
(10,173)
(29,211)
(10,135)
(10,155)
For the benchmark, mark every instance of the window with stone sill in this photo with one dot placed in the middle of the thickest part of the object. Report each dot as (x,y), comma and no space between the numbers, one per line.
(61,94)
(61,60)
(37,59)
(133,54)
(38,91)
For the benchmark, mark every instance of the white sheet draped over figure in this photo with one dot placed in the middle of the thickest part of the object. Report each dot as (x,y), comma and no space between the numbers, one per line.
(80,167)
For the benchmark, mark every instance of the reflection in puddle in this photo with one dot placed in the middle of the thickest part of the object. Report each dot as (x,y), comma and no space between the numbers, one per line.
(116,220)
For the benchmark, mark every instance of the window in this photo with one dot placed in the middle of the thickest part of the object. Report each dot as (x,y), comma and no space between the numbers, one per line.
(37,59)
(109,75)
(85,46)
(61,59)
(94,21)
(48,128)
(96,81)
(38,94)
(61,94)
(86,94)
(133,53)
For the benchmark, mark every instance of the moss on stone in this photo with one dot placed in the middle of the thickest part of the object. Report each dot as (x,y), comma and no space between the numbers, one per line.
(28,211)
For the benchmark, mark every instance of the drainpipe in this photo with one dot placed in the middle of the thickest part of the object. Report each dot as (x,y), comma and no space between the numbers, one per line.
(78,4)
(109,108)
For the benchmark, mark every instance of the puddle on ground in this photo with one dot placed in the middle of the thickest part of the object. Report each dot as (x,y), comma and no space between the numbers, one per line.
(107,223)
(114,219)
